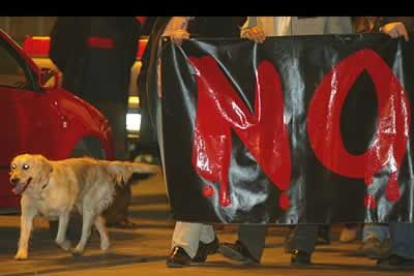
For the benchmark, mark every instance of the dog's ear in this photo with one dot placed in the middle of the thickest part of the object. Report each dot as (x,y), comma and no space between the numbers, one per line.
(44,171)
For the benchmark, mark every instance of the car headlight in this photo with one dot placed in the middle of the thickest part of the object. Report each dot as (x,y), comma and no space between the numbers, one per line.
(133,122)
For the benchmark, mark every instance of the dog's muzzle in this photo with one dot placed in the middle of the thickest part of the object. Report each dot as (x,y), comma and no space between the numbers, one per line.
(19,186)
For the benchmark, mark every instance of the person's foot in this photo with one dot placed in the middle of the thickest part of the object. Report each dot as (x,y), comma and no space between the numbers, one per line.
(178,258)
(205,249)
(395,261)
(372,248)
(348,234)
(237,252)
(300,257)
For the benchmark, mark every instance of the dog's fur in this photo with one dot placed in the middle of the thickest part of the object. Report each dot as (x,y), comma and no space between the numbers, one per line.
(54,188)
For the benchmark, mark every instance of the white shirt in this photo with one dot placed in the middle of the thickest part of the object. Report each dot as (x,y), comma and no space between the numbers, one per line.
(292,25)
(272,26)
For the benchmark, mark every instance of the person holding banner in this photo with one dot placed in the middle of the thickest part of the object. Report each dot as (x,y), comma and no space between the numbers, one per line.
(257,29)
(375,240)
(191,242)
(402,234)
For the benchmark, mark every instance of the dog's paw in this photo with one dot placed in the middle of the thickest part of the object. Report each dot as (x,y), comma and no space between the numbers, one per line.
(21,255)
(105,245)
(65,245)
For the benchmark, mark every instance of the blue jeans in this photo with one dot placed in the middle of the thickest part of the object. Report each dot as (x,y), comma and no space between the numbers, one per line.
(402,238)
(379,231)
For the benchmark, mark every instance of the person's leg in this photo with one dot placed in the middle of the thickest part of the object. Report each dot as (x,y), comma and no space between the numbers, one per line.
(191,242)
(209,243)
(288,240)
(324,234)
(323,237)
(187,236)
(375,241)
(402,236)
(304,243)
(184,244)
(253,237)
(116,215)
(207,234)
(402,250)
(249,246)
(377,231)
(115,112)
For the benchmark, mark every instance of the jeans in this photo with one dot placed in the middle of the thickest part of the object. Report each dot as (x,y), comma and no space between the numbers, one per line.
(379,231)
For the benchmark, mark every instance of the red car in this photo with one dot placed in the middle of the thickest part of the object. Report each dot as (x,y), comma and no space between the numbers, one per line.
(43,119)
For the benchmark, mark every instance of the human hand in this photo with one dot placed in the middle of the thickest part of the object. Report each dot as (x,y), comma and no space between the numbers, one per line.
(395,30)
(256,34)
(177,36)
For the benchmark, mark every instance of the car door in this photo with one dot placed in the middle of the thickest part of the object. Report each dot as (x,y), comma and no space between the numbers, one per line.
(26,116)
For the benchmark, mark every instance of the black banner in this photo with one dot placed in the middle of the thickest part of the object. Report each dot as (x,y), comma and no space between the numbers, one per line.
(308,129)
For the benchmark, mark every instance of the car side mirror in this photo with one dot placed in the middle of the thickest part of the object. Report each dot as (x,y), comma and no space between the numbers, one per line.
(49,78)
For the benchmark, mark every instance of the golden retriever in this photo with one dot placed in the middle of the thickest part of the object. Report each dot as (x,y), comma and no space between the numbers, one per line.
(54,188)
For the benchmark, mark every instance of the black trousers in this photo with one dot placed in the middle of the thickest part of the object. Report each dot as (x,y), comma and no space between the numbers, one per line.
(305,236)
(115,112)
(253,237)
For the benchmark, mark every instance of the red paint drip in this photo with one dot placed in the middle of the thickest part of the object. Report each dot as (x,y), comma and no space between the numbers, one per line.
(370,202)
(220,109)
(392,191)
(208,190)
(284,201)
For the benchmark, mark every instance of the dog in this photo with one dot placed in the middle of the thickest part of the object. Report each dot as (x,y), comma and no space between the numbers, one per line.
(54,189)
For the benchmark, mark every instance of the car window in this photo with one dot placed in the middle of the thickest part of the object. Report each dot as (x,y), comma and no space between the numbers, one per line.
(13,73)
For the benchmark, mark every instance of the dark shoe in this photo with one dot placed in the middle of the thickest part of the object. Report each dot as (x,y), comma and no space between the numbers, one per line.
(300,257)
(205,249)
(178,258)
(395,261)
(237,252)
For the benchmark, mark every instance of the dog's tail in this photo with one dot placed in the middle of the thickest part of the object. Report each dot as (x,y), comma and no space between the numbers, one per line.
(122,171)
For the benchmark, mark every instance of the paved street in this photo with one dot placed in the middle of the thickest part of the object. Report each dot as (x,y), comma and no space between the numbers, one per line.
(143,250)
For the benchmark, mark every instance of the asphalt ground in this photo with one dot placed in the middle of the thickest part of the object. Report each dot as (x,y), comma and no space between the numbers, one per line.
(143,249)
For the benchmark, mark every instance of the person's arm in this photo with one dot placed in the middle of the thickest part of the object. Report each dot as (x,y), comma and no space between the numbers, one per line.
(393,27)
(252,31)
(177,29)
(395,30)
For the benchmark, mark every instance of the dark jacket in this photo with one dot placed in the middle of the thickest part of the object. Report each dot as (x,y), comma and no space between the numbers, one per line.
(95,55)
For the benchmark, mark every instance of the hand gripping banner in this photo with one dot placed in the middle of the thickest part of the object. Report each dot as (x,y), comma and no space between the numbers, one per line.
(308,129)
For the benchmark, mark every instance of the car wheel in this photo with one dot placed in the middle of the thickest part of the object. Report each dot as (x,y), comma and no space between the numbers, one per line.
(90,148)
